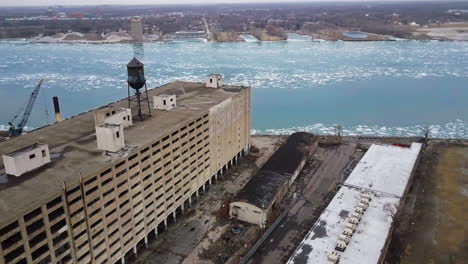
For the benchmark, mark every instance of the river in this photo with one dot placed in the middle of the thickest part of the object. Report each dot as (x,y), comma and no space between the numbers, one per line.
(369,88)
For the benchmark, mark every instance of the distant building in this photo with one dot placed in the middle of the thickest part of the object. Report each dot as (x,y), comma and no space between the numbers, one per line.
(136,29)
(76,16)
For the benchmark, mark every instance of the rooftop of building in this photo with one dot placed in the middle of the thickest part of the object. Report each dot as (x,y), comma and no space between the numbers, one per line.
(262,188)
(73,146)
(24,150)
(385,172)
(385,168)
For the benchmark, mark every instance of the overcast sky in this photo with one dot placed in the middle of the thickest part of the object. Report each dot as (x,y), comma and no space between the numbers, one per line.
(135,2)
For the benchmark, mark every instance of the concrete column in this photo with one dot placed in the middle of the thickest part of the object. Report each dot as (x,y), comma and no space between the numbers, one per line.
(165,224)
(156,232)
(146,241)
(216,176)
(196,193)
(203,188)
(182,207)
(135,250)
(122,260)
(174,216)
(209,181)
(190,201)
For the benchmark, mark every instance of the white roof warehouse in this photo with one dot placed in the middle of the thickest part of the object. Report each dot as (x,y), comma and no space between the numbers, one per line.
(355,226)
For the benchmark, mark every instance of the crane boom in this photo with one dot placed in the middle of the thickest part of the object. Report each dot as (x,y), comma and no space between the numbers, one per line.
(16,131)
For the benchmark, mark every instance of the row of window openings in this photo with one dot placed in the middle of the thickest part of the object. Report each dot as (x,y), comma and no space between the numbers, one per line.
(134,186)
(128,211)
(131,166)
(119,196)
(33,214)
(37,253)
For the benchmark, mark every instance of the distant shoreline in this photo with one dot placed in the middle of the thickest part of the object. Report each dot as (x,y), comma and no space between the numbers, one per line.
(126,39)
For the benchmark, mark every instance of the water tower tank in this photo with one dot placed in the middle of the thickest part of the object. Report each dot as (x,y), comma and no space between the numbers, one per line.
(136,74)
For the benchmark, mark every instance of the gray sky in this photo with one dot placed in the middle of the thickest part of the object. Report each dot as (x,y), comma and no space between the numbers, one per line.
(135,2)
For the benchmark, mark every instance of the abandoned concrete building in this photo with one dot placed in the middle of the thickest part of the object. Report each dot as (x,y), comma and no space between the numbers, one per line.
(106,185)
(265,190)
(356,226)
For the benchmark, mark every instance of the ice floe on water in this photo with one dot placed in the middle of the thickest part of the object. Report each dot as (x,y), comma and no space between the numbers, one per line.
(97,73)
(456,129)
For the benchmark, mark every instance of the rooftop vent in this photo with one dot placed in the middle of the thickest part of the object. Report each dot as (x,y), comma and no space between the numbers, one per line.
(366,194)
(357,215)
(333,258)
(363,205)
(164,101)
(365,200)
(359,210)
(348,231)
(214,81)
(340,246)
(351,226)
(353,220)
(26,159)
(345,238)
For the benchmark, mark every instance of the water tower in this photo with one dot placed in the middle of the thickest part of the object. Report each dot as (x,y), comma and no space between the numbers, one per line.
(136,80)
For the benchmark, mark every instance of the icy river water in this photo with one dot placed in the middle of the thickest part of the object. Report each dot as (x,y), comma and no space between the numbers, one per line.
(369,88)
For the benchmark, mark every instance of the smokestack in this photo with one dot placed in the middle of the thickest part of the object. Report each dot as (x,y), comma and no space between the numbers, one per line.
(58,116)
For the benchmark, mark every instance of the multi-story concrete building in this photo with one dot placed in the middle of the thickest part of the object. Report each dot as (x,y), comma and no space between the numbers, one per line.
(136,29)
(88,205)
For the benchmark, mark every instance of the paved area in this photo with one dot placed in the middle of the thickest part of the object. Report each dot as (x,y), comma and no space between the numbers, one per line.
(309,195)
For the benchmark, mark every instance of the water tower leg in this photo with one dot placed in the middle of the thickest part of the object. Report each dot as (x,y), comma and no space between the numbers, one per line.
(139,105)
(147,100)
(128,89)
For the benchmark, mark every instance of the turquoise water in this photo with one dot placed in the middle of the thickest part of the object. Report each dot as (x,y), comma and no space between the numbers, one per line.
(372,88)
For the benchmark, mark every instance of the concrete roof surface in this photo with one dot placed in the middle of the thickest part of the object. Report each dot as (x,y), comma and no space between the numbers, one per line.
(73,146)
(385,168)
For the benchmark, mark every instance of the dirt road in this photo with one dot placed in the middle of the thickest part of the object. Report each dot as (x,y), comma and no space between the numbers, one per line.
(309,195)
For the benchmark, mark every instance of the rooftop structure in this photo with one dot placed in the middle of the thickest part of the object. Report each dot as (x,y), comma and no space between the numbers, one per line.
(255,201)
(355,226)
(26,159)
(93,206)
(164,101)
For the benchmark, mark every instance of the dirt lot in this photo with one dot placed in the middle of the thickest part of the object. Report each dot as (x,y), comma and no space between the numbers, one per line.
(433,224)
(446,32)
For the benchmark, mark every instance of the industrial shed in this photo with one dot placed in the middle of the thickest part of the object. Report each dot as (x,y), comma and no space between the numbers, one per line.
(264,191)
(356,226)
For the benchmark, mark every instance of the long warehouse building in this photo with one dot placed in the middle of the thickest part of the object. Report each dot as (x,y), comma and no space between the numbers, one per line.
(90,188)
(356,226)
